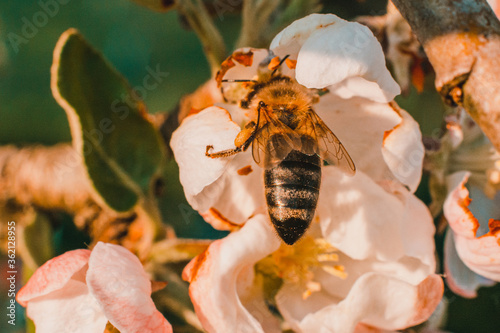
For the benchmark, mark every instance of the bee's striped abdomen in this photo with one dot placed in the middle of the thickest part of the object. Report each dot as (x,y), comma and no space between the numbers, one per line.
(292,189)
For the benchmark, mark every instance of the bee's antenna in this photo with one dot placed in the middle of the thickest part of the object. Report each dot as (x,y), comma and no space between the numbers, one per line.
(237,80)
(279,65)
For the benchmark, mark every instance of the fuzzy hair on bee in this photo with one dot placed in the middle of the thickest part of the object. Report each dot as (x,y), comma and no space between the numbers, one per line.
(291,143)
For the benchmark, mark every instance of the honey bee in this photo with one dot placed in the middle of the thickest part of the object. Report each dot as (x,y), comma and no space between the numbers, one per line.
(290,141)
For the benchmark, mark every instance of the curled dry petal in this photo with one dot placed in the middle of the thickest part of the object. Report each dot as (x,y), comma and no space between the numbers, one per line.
(460,278)
(377,300)
(243,64)
(481,254)
(122,288)
(329,50)
(224,273)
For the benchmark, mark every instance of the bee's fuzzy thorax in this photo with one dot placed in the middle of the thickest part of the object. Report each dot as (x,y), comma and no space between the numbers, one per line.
(283,95)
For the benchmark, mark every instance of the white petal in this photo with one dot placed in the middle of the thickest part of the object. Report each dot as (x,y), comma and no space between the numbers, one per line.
(212,126)
(406,269)
(363,220)
(330,50)
(252,298)
(358,217)
(71,309)
(417,232)
(243,193)
(404,151)
(359,87)
(360,125)
(118,281)
(223,271)
(337,52)
(377,300)
(290,40)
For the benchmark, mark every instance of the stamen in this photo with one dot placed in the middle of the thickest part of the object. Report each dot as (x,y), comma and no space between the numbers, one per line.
(328,257)
(338,271)
(297,263)
(312,286)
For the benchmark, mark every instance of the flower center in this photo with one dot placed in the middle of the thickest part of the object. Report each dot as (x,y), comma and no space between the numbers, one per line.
(297,263)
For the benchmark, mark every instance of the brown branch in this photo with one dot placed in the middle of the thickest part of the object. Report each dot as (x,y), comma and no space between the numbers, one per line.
(51,179)
(462,41)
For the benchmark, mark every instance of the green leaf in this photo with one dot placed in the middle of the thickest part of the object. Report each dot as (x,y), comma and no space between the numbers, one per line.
(156,5)
(122,151)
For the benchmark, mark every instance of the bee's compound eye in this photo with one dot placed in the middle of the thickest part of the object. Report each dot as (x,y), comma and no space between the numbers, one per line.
(262,104)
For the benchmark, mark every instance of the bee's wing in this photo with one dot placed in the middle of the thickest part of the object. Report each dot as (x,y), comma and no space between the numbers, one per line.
(273,142)
(326,144)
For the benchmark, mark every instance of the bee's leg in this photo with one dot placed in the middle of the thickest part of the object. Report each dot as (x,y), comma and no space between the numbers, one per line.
(242,141)
(222,153)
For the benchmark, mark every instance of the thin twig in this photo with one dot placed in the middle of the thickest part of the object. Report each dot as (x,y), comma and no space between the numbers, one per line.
(200,21)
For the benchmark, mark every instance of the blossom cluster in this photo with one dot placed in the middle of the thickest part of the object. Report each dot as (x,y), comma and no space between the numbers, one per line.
(367,261)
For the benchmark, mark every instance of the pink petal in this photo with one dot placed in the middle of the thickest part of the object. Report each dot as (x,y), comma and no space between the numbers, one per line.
(364,220)
(224,273)
(70,309)
(117,280)
(480,254)
(212,126)
(460,278)
(403,149)
(376,300)
(53,275)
